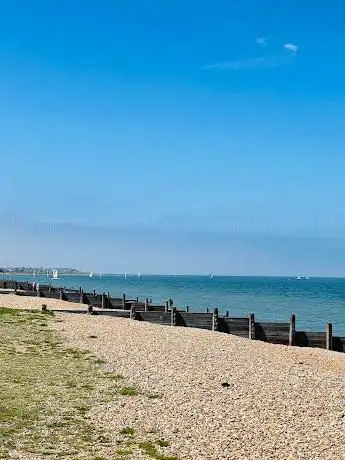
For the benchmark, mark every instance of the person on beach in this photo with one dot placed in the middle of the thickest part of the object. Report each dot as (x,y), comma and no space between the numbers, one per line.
(38,288)
(34,286)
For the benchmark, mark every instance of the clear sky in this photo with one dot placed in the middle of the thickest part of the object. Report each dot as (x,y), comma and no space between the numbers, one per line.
(175,136)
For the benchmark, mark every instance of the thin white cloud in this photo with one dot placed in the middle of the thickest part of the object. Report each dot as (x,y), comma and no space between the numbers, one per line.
(291,47)
(250,64)
(261,41)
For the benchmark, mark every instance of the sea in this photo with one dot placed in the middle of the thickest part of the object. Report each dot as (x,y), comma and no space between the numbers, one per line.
(314,301)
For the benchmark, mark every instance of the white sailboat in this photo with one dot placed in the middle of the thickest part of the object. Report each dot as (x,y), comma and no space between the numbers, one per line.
(55,275)
(211,276)
(91,275)
(139,275)
(125,276)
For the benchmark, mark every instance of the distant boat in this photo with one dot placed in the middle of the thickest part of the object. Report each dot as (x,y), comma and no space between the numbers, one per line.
(211,276)
(91,275)
(125,276)
(100,275)
(55,275)
(139,275)
(300,277)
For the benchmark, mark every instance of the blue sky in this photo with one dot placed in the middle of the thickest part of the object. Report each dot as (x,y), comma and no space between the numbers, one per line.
(209,135)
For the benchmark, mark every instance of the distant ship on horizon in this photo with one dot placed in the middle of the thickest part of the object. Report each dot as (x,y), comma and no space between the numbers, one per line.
(300,277)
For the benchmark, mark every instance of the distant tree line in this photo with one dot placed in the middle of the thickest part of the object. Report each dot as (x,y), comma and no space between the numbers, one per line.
(38,270)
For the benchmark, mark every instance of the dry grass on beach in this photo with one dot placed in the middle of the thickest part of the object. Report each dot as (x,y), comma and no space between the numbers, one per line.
(165,398)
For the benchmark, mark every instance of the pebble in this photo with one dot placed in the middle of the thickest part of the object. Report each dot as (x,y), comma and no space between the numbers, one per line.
(274,411)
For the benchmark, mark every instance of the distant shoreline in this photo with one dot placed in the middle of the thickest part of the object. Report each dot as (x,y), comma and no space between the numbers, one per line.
(42,274)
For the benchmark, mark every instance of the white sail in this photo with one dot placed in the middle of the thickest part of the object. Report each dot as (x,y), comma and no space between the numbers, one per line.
(91,275)
(55,275)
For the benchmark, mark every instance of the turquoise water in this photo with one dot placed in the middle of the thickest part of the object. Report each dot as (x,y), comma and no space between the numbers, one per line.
(315,302)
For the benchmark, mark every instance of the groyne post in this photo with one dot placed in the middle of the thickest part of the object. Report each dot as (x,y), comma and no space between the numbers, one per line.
(215,320)
(60,294)
(329,336)
(187,308)
(166,308)
(292,330)
(81,295)
(173,316)
(227,314)
(90,309)
(103,300)
(251,326)
(124,301)
(146,304)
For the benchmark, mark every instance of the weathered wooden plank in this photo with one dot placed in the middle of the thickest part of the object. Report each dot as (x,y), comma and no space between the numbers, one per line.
(239,327)
(310,339)
(329,340)
(154,317)
(338,344)
(173,313)
(94,300)
(72,296)
(195,315)
(234,326)
(273,326)
(292,330)
(251,326)
(230,319)
(114,302)
(197,320)
(272,332)
(116,313)
(77,312)
(215,318)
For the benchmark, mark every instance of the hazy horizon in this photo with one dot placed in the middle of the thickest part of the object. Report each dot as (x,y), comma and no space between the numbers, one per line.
(170,251)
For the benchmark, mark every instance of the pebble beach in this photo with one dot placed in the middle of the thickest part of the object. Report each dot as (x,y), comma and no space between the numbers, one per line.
(220,396)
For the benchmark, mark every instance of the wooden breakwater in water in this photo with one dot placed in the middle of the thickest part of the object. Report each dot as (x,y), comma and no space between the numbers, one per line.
(283,333)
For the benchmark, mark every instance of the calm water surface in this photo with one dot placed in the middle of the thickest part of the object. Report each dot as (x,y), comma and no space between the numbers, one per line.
(315,302)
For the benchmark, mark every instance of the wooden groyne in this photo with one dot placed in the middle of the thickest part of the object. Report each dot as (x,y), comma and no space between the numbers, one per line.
(283,333)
